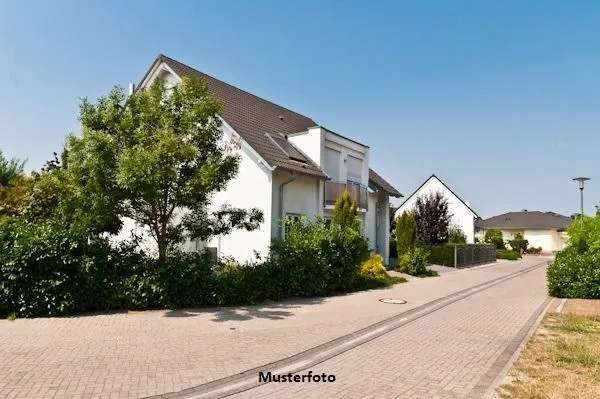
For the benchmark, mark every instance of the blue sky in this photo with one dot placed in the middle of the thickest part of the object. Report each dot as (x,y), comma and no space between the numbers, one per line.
(499,99)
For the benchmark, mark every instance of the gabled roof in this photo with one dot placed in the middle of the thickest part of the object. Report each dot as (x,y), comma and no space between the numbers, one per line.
(534,220)
(380,183)
(263,124)
(433,176)
(252,118)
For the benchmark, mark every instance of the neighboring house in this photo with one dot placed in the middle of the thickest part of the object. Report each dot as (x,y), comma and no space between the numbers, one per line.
(462,215)
(290,166)
(541,229)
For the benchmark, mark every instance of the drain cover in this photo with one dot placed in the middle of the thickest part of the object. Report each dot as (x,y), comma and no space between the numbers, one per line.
(393,301)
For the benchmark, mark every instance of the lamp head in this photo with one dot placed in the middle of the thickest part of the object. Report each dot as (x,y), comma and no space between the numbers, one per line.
(581,181)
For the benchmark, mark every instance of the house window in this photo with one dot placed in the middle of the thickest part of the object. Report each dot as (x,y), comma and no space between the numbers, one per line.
(332,163)
(354,166)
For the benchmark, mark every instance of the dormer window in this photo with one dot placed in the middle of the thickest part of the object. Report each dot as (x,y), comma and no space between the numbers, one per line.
(288,149)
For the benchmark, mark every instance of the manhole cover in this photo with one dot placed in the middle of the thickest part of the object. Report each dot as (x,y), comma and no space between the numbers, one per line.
(393,301)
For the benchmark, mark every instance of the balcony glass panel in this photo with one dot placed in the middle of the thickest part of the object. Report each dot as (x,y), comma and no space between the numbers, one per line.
(334,190)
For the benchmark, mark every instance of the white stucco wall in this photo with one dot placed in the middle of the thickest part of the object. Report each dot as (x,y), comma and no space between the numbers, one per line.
(371,221)
(251,188)
(462,216)
(550,240)
(302,195)
(310,143)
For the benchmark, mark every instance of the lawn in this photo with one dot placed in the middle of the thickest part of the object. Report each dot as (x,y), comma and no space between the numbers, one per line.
(561,360)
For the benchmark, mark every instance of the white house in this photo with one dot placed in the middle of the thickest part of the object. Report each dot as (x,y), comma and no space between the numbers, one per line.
(541,229)
(463,215)
(290,166)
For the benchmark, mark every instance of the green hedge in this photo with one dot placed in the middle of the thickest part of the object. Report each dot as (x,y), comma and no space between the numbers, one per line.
(46,270)
(507,254)
(442,255)
(575,274)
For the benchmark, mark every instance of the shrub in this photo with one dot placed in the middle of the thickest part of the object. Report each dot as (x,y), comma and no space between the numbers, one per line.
(575,275)
(373,275)
(345,212)
(373,267)
(414,262)
(534,250)
(507,254)
(48,270)
(518,243)
(442,255)
(584,233)
(456,235)
(406,232)
(298,259)
(344,248)
(494,236)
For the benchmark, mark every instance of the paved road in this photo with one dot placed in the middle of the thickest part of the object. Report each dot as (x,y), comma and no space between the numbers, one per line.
(137,354)
(454,352)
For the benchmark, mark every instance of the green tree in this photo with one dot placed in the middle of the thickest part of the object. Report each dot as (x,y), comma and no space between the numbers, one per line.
(156,157)
(518,243)
(345,212)
(406,232)
(494,236)
(456,235)
(10,170)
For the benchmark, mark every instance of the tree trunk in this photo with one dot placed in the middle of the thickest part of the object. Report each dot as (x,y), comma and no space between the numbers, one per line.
(162,250)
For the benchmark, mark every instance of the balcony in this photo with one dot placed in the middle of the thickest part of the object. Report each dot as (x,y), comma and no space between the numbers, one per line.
(358,193)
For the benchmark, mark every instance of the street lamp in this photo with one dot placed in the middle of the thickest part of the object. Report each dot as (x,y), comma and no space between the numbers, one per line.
(581,181)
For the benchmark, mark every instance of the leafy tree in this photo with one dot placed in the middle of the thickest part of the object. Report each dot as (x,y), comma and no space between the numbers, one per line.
(518,243)
(494,236)
(406,232)
(10,170)
(432,218)
(345,212)
(156,157)
(456,235)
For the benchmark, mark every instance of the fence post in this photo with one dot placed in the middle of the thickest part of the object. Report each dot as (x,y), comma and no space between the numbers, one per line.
(455,256)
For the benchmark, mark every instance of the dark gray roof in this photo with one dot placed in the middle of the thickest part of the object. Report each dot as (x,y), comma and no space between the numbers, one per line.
(263,124)
(252,117)
(525,220)
(380,183)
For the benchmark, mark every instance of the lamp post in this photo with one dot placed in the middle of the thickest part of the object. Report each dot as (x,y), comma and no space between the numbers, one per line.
(581,181)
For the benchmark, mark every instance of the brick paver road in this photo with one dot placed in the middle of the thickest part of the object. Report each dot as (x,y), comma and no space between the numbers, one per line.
(137,354)
(450,353)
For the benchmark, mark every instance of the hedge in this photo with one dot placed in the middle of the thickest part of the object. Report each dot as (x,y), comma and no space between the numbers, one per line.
(575,274)
(47,270)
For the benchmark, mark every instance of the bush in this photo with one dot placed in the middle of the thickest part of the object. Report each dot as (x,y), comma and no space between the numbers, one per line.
(373,267)
(534,250)
(406,233)
(584,233)
(373,275)
(46,269)
(316,257)
(442,255)
(494,236)
(414,262)
(518,243)
(456,235)
(507,254)
(575,275)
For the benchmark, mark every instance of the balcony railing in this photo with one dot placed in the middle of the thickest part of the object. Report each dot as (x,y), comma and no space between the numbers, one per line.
(334,190)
